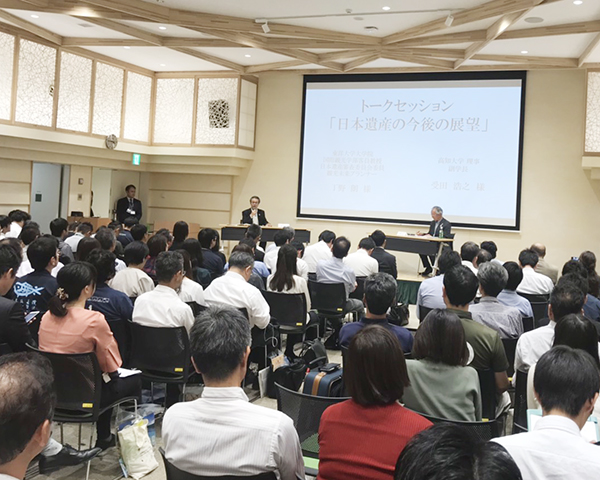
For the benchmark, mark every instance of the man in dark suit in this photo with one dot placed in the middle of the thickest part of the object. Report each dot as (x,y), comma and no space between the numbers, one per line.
(387,261)
(254,215)
(129,206)
(439,227)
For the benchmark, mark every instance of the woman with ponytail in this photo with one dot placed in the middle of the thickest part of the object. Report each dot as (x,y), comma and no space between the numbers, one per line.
(67,327)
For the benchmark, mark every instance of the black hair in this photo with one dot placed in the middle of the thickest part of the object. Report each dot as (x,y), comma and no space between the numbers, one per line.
(490,247)
(85,246)
(248,242)
(165,233)
(9,259)
(41,251)
(327,236)
(468,251)
(206,236)
(19,216)
(378,237)
(341,247)
(104,263)
(461,285)
(380,292)
(483,256)
(448,259)
(106,237)
(29,234)
(187,263)
(576,331)
(253,231)
(588,260)
(180,231)
(280,238)
(168,264)
(129,186)
(577,280)
(156,245)
(130,222)
(528,257)
(441,339)
(567,297)
(85,227)
(58,226)
(4,221)
(72,279)
(298,245)
(367,243)
(193,247)
(135,253)
(283,278)
(138,232)
(115,225)
(576,267)
(515,275)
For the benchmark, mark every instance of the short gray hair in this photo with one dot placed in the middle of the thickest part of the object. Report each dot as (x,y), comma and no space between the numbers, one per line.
(437,209)
(492,278)
(168,264)
(241,260)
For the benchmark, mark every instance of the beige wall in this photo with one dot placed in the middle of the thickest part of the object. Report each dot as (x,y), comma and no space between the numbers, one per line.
(15,185)
(80,194)
(560,203)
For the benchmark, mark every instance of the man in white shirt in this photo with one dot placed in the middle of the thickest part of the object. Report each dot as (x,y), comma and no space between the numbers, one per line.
(468,254)
(133,281)
(279,239)
(361,261)
(319,251)
(566,384)
(234,290)
(162,307)
(509,296)
(222,433)
(83,230)
(430,293)
(533,283)
(489,311)
(18,219)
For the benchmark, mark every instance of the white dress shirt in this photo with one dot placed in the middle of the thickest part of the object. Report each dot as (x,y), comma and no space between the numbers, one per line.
(191,291)
(362,263)
(314,253)
(334,270)
(554,449)
(73,241)
(162,307)
(15,230)
(271,263)
(470,266)
(534,283)
(6,477)
(25,268)
(511,298)
(430,293)
(132,282)
(491,313)
(222,433)
(233,289)
(119,265)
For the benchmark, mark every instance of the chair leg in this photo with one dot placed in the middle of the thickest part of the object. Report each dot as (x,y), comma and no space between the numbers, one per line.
(91,434)
(79,440)
(87,473)
(62,436)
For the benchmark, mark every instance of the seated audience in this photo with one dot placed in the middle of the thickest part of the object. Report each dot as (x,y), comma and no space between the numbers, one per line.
(181,230)
(156,245)
(68,327)
(543,267)
(58,229)
(255,279)
(446,451)
(430,290)
(566,384)
(361,437)
(319,251)
(259,267)
(361,261)
(588,260)
(199,274)
(84,229)
(86,245)
(17,222)
(441,384)
(279,239)
(254,233)
(124,237)
(211,260)
(246,439)
(217,248)
(165,233)
(566,298)
(108,242)
(387,261)
(4,226)
(492,249)
(533,283)
(234,290)
(489,311)
(139,233)
(591,307)
(133,281)
(468,255)
(483,256)
(509,296)
(289,233)
(299,246)
(190,291)
(28,234)
(380,295)
(162,307)
(460,287)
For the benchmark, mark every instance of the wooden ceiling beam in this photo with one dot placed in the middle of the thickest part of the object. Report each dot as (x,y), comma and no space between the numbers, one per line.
(444,39)
(346,54)
(425,52)
(430,62)
(126,29)
(565,29)
(265,67)
(525,61)
(359,62)
(32,28)
(210,58)
(104,42)
(588,50)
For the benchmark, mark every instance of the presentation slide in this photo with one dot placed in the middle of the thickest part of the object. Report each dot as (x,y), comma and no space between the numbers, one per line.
(388,148)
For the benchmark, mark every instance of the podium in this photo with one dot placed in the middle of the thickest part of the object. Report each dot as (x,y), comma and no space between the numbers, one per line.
(96,222)
(237,232)
(425,245)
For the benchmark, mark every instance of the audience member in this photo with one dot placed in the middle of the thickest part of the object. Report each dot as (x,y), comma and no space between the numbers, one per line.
(211,260)
(167,234)
(217,248)
(4,226)
(108,242)
(509,296)
(58,229)
(133,281)
(483,256)
(84,229)
(156,245)
(441,384)
(139,233)
(361,437)
(124,237)
(283,238)
(591,306)
(588,260)
(256,279)
(17,222)
(542,266)
(533,283)
(430,289)
(190,291)
(246,439)
(361,261)
(289,233)
(566,384)
(319,251)
(387,261)
(468,255)
(86,245)
(380,295)
(254,233)
(450,452)
(199,274)
(181,230)
(259,267)
(299,246)
(492,249)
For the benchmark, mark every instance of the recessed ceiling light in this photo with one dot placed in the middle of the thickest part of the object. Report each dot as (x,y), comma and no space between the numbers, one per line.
(163,65)
(534,19)
(126,48)
(359,19)
(386,8)
(524,51)
(162,28)
(35,16)
(371,29)
(577,2)
(247,55)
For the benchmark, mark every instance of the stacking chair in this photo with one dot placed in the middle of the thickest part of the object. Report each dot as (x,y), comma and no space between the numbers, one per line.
(527,324)
(359,292)
(288,310)
(5,349)
(122,334)
(329,300)
(481,431)
(539,304)
(510,347)
(423,311)
(487,382)
(173,473)
(520,404)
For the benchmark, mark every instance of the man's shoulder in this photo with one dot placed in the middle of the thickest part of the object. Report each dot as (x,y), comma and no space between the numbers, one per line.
(474,328)
(7,305)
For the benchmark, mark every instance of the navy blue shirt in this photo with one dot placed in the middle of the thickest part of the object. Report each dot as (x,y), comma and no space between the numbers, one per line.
(114,305)
(34,291)
(591,308)
(212,261)
(350,329)
(125,238)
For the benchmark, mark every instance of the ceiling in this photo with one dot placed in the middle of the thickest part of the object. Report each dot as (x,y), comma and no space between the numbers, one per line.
(227,35)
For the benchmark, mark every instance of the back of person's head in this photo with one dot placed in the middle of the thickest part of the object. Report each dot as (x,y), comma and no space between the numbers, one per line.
(380,292)
(461,285)
(341,247)
(241,260)
(58,226)
(253,231)
(168,264)
(567,297)
(115,226)
(85,246)
(106,238)
(448,259)
(135,253)
(206,236)
(104,263)
(540,249)
(29,234)
(588,260)
(130,222)
(299,246)
(441,339)
(73,227)
(468,251)
(577,331)
(19,216)
(180,231)
(490,247)
(4,221)
(41,251)
(492,278)
(242,247)
(138,232)
(219,340)
(577,280)
(165,233)
(290,232)
(283,278)
(187,263)
(528,258)
(9,260)
(327,236)
(85,228)
(156,245)
(193,247)
(249,243)
(27,401)
(515,275)
(378,237)
(280,238)
(573,266)
(447,451)
(366,243)
(367,374)
(72,280)
(483,256)
(565,379)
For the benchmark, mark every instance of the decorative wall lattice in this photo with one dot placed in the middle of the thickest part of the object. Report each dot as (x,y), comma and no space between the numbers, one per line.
(592,121)
(174,110)
(7,52)
(74,92)
(137,107)
(216,114)
(35,86)
(247,114)
(108,100)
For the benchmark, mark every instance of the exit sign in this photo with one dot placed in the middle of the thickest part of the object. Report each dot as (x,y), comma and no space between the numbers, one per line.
(136,159)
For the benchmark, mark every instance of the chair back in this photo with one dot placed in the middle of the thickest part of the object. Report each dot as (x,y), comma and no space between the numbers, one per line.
(122,334)
(287,309)
(487,382)
(160,350)
(510,347)
(344,350)
(327,298)
(173,473)
(480,431)
(527,323)
(539,305)
(305,411)
(423,311)
(520,406)
(5,349)
(359,292)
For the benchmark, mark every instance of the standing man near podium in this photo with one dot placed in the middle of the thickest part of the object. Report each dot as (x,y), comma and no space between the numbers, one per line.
(254,215)
(129,206)
(439,227)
